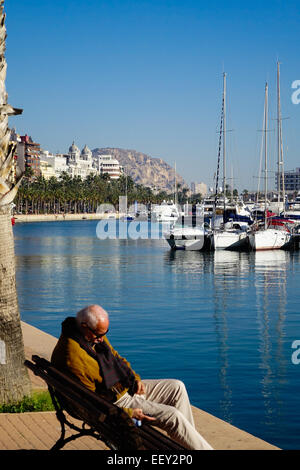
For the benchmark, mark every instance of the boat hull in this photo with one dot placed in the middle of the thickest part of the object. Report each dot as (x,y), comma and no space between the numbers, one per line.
(269,239)
(188,245)
(187,239)
(229,240)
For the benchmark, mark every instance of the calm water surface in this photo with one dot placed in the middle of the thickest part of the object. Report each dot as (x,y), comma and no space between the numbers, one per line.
(222,322)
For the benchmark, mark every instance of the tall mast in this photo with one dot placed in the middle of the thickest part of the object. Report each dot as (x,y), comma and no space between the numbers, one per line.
(278,139)
(175,184)
(280,168)
(266,150)
(126,190)
(224,141)
(218,163)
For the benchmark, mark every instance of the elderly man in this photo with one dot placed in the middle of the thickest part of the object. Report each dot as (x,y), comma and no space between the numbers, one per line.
(84,351)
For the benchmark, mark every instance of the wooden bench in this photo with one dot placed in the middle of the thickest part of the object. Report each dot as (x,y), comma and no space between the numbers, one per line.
(100,418)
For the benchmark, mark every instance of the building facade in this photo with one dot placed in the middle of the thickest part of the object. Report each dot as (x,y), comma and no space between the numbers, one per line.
(199,188)
(28,154)
(75,162)
(291,180)
(80,163)
(107,164)
(47,170)
(57,163)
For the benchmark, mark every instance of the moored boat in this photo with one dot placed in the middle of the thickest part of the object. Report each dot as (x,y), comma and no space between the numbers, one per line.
(188,238)
(234,238)
(165,212)
(269,239)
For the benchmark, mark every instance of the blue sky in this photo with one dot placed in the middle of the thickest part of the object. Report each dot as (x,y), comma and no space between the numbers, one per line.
(147,75)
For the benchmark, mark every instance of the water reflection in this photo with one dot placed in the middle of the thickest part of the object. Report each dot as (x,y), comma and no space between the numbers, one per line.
(271,296)
(270,260)
(225,264)
(262,277)
(63,273)
(226,310)
(182,261)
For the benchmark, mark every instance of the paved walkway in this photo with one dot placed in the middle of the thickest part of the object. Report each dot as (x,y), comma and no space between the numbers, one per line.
(39,431)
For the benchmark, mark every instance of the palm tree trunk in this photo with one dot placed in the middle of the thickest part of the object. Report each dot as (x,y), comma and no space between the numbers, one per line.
(14,378)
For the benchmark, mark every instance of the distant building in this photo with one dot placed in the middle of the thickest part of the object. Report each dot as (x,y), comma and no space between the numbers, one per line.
(75,162)
(47,170)
(109,165)
(28,153)
(80,163)
(199,188)
(58,164)
(291,180)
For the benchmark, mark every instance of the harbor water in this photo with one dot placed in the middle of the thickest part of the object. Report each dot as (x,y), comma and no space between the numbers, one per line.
(226,323)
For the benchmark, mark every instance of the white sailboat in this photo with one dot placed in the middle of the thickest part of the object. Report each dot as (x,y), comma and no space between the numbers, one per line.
(186,238)
(126,216)
(293,211)
(268,238)
(230,239)
(190,233)
(230,235)
(167,211)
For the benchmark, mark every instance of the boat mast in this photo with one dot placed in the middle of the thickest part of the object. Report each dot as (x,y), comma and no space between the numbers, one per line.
(280,168)
(266,150)
(175,185)
(224,142)
(231,184)
(218,162)
(126,191)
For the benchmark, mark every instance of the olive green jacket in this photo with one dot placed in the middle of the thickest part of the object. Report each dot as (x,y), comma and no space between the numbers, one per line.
(69,357)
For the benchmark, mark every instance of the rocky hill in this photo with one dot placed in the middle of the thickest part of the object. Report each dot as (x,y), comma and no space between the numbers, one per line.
(145,170)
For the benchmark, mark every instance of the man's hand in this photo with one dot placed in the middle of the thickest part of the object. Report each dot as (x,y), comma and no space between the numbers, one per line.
(140,390)
(137,413)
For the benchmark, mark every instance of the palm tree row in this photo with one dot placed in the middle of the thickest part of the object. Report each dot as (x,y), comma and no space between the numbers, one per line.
(66,194)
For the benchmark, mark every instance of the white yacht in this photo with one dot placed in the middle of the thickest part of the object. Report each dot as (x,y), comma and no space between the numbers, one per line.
(233,237)
(165,212)
(185,238)
(188,237)
(269,239)
(190,232)
(293,210)
(230,235)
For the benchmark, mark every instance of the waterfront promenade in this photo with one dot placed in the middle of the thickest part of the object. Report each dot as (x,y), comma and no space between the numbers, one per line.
(61,217)
(40,430)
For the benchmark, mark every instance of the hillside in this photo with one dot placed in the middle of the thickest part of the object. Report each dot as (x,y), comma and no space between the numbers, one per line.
(145,170)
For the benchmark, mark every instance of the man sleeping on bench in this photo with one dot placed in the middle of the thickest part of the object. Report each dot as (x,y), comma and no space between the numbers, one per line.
(84,351)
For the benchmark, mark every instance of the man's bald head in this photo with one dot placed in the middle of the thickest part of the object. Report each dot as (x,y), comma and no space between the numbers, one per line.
(94,316)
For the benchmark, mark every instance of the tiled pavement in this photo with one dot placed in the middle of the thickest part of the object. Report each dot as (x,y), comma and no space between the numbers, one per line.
(38,431)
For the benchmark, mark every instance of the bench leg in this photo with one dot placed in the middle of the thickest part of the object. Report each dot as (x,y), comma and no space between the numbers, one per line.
(63,441)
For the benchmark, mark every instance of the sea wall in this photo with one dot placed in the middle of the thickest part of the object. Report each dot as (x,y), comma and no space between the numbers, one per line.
(60,217)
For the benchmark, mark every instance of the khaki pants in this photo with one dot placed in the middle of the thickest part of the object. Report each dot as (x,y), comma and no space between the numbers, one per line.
(167,401)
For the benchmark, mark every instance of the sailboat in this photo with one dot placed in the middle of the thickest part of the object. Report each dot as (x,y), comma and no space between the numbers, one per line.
(186,233)
(267,238)
(231,235)
(126,216)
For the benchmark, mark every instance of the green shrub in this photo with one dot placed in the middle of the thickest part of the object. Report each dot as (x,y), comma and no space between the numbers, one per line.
(38,401)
